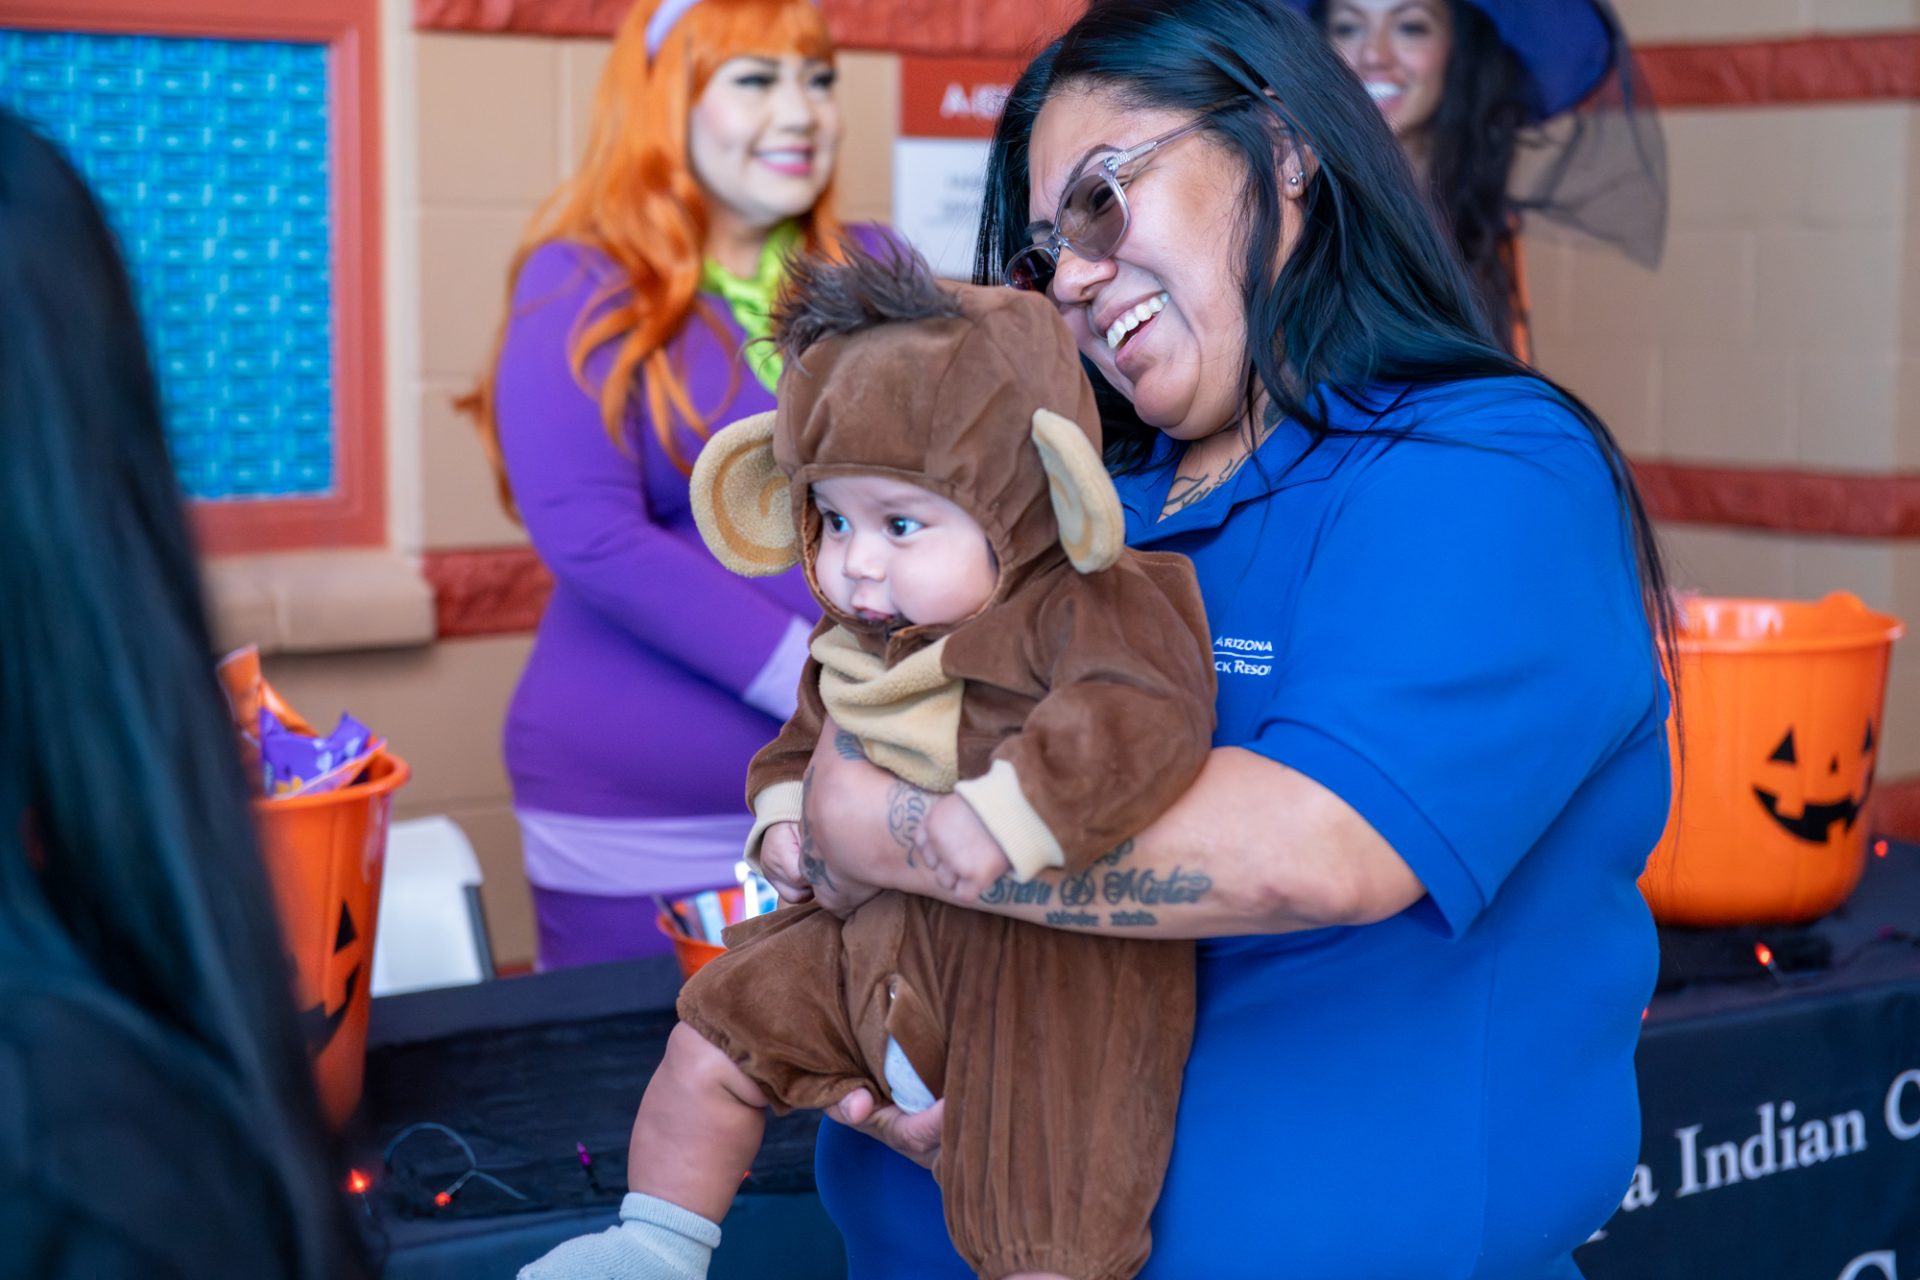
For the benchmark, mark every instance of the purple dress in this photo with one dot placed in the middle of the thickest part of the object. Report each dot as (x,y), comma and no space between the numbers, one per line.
(628,737)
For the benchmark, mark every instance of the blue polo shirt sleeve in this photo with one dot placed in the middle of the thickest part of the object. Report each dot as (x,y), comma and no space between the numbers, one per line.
(1468,646)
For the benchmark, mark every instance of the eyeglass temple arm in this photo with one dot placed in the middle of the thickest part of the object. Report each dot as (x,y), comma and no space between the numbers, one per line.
(1114,162)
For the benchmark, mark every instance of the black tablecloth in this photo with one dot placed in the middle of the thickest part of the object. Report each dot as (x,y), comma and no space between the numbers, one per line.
(525,1071)
(1725,1063)
(526,1068)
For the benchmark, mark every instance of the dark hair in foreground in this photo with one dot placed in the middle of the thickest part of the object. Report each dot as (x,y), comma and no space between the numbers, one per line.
(127,856)
(1371,291)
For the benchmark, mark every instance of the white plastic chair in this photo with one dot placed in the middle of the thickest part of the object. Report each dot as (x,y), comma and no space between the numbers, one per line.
(432,931)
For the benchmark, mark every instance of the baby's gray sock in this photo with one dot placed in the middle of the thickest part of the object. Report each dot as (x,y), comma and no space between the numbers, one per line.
(656,1240)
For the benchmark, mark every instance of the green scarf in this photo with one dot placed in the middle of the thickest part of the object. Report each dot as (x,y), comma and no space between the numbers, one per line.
(751,301)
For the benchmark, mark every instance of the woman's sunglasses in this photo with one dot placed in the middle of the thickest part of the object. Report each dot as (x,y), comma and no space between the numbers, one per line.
(1092,218)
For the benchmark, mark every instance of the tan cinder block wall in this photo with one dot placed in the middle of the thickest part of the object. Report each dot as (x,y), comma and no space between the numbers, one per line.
(1781,331)
(1664,21)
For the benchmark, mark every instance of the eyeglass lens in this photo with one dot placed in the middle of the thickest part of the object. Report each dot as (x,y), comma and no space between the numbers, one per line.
(1093,219)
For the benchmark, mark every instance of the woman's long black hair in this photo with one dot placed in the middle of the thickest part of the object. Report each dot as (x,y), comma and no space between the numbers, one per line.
(127,853)
(1473,139)
(1371,290)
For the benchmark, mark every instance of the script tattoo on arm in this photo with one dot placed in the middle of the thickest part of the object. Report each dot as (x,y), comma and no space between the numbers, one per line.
(1039,893)
(1075,899)
(906,811)
(810,864)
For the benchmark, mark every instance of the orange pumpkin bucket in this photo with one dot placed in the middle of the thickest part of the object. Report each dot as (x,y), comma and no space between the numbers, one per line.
(691,952)
(1782,703)
(325,853)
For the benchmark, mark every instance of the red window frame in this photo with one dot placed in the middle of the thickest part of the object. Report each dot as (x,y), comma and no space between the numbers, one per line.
(355,514)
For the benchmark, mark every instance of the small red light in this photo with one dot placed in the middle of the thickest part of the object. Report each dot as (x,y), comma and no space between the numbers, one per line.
(1879,848)
(358,1182)
(1644,1012)
(443,1199)
(1763,953)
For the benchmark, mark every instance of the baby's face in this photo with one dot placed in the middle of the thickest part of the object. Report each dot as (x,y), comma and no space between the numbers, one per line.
(894,553)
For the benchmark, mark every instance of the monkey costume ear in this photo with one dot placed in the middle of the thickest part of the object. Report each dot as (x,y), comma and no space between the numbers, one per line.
(742,502)
(1092,527)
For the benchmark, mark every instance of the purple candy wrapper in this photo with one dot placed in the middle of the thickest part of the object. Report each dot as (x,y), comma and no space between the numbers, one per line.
(294,763)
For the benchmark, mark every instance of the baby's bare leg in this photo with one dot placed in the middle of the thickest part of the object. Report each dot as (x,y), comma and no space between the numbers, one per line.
(698,1128)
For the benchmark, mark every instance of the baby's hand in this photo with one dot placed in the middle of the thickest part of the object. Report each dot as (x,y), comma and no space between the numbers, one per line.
(780,862)
(960,851)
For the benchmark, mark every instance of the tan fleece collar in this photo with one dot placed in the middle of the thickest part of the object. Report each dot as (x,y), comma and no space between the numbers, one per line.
(907,716)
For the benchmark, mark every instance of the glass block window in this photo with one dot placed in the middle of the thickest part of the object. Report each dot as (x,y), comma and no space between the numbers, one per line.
(210,157)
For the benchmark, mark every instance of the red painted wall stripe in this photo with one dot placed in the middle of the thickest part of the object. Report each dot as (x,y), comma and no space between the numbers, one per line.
(1896,809)
(1784,501)
(956,28)
(487,591)
(491,591)
(1804,70)
(1744,73)
(482,591)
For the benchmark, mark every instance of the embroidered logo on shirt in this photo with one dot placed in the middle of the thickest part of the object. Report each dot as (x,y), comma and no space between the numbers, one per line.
(1234,656)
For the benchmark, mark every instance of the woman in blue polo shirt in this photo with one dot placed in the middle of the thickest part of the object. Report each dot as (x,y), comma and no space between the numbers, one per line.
(1434,598)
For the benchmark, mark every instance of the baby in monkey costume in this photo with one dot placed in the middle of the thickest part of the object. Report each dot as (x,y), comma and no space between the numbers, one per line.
(935,463)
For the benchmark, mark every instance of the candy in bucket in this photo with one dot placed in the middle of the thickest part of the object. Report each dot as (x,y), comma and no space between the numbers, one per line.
(696,921)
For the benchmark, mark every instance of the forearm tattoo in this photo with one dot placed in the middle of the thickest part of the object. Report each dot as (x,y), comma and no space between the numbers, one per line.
(906,814)
(847,745)
(811,866)
(1105,883)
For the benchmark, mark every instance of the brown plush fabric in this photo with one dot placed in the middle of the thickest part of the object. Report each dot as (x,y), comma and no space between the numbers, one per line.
(1059,1054)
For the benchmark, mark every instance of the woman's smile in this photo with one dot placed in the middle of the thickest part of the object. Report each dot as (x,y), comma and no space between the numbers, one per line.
(1161,315)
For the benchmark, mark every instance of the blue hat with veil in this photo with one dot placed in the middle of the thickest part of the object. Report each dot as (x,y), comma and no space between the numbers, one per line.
(1568,46)
(1593,158)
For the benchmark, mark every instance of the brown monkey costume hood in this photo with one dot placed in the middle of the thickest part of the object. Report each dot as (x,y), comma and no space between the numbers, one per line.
(954,388)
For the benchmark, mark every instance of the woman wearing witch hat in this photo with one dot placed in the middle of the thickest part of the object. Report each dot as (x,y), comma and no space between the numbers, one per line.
(1511,107)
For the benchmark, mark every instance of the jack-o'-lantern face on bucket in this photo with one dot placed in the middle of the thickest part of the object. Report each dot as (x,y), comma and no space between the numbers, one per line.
(1807,798)
(324,855)
(1782,704)
(344,967)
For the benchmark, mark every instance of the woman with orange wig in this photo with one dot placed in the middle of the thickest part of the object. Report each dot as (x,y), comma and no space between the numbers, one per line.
(636,303)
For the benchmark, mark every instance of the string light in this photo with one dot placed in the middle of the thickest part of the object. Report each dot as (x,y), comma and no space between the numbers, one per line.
(358,1183)
(443,1198)
(1763,953)
(586,1167)
(1879,848)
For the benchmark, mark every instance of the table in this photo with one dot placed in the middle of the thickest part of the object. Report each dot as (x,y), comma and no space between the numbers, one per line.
(1728,1071)
(522,1069)
(527,1066)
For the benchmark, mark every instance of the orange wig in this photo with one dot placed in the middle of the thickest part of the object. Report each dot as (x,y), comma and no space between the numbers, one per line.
(635,199)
